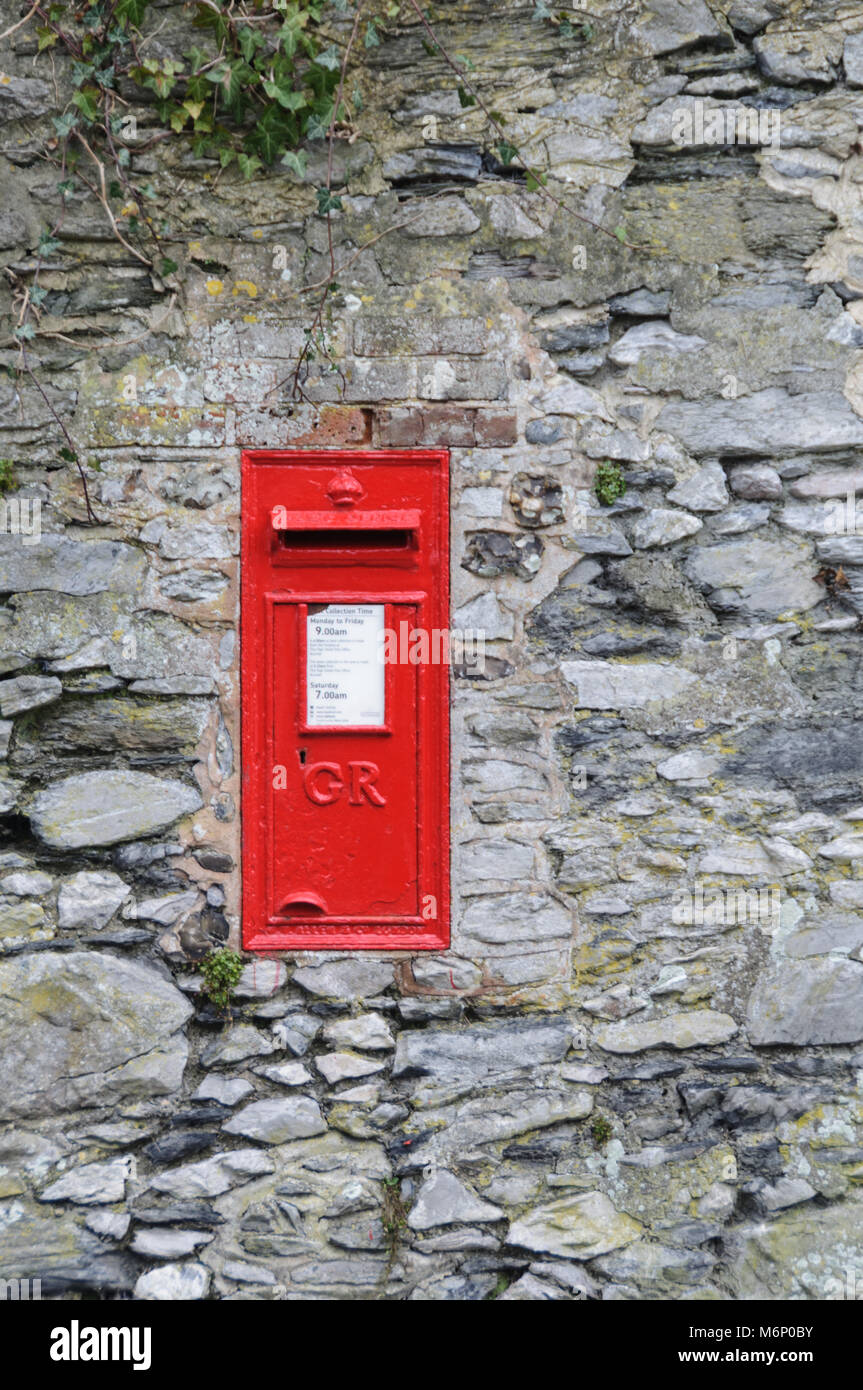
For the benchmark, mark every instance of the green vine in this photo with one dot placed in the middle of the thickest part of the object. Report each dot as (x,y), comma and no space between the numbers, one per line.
(261,79)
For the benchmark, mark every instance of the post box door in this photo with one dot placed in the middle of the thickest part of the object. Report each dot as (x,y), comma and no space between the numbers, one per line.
(346,834)
(345,752)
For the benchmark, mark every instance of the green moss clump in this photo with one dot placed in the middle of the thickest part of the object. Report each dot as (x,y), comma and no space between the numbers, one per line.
(221,971)
(609,483)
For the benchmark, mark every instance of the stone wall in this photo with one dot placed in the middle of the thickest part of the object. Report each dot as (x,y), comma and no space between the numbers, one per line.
(625,1081)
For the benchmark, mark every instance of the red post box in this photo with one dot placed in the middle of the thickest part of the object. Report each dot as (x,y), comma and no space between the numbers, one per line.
(345,618)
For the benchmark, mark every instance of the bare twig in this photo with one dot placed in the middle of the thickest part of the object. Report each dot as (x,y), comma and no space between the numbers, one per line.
(495,124)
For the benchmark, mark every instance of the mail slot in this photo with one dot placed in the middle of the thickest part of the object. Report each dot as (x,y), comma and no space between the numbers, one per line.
(345,743)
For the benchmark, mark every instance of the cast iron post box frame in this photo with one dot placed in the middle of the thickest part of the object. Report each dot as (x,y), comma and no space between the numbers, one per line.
(345,825)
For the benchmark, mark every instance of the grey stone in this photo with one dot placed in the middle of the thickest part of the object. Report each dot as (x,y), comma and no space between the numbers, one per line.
(603,685)
(286,1074)
(193,586)
(243,1273)
(236,1045)
(102,808)
(807,1002)
(705,491)
(166,910)
(516,917)
(169,1245)
(476,1055)
(224,1090)
(766,422)
(575,1228)
(595,534)
(663,526)
(755,576)
(68,566)
(443,217)
(90,898)
(213,1176)
(486,615)
(802,1255)
(755,482)
(852,58)
(642,303)
(796,56)
(489,1119)
(27,885)
(91,1184)
(82,1029)
(787,1192)
(56,1248)
(172,1283)
(367,1031)
(698,1028)
(445,1201)
(28,692)
(841,550)
(656,1266)
(113,1225)
(546,430)
(733,521)
(277,1121)
(655,337)
(344,1066)
(345,979)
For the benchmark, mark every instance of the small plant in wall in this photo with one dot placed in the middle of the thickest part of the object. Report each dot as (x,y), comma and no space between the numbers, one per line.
(609,483)
(600,1130)
(221,971)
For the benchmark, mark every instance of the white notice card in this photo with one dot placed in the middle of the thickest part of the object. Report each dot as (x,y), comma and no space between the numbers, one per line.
(344,665)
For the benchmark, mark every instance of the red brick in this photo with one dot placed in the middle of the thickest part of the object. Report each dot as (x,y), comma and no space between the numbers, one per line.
(495,428)
(398,429)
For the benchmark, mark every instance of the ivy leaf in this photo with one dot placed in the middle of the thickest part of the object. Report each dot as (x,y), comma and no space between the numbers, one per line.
(250,40)
(330,58)
(65,123)
(47,37)
(534,182)
(37,294)
(168,267)
(620,233)
(87,102)
(68,455)
(296,160)
(466,98)
(268,137)
(249,164)
(132,11)
(506,152)
(327,202)
(372,39)
(285,96)
(48,244)
(317,127)
(25,332)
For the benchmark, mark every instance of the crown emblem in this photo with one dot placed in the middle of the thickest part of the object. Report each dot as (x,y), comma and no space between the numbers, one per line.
(344,489)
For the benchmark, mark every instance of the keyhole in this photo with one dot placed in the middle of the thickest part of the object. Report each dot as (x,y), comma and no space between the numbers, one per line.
(301,754)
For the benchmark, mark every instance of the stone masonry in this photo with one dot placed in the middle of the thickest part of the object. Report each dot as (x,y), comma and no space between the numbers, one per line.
(638,1073)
